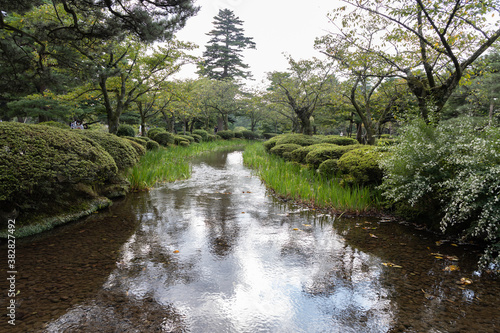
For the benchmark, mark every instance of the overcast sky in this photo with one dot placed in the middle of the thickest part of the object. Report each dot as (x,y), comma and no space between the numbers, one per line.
(277,27)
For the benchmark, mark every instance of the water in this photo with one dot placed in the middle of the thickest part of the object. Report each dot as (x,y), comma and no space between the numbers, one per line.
(217,253)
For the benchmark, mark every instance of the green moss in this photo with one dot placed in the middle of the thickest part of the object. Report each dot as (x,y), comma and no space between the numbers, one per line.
(362,165)
(281,149)
(339,140)
(120,149)
(323,153)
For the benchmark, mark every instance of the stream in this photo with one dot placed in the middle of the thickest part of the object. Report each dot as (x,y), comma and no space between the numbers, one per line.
(218,253)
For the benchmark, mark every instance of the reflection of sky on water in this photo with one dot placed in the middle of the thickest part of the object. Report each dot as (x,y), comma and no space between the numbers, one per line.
(241,267)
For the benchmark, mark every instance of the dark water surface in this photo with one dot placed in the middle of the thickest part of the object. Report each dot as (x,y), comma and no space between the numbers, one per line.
(216,253)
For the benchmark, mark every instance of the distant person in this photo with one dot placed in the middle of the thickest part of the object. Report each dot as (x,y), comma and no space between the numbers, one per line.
(216,129)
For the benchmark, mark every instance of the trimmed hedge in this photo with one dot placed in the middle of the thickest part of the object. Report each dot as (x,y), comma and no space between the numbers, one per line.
(164,138)
(202,133)
(125,130)
(55,124)
(249,135)
(138,140)
(41,163)
(285,148)
(197,138)
(299,154)
(178,139)
(152,132)
(339,140)
(152,145)
(120,149)
(187,137)
(362,165)
(226,135)
(329,168)
(321,154)
(298,139)
(269,144)
(139,148)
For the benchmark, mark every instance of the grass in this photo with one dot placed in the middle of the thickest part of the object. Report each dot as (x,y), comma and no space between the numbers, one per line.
(170,164)
(291,180)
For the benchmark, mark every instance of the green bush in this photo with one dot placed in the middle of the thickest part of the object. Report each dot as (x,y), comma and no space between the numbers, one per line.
(152,145)
(202,133)
(238,135)
(164,138)
(456,167)
(152,132)
(281,149)
(197,138)
(338,140)
(322,153)
(183,143)
(269,135)
(125,130)
(249,135)
(139,148)
(187,137)
(41,164)
(226,135)
(55,124)
(299,154)
(120,149)
(269,144)
(298,139)
(138,140)
(329,168)
(362,165)
(178,139)
(212,137)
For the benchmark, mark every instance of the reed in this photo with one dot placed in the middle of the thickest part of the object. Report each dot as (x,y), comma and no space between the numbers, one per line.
(291,180)
(170,164)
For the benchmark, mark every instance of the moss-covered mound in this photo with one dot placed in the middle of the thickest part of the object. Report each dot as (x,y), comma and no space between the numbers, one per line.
(125,130)
(152,132)
(46,171)
(152,145)
(164,138)
(361,166)
(55,124)
(269,144)
(298,139)
(299,154)
(281,149)
(322,153)
(122,151)
(338,140)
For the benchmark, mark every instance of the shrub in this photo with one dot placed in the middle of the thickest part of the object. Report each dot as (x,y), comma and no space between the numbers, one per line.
(39,164)
(178,139)
(226,135)
(139,148)
(269,144)
(164,138)
(299,154)
(280,149)
(238,135)
(329,168)
(152,145)
(362,165)
(183,143)
(455,166)
(269,135)
(120,149)
(249,135)
(197,138)
(187,137)
(55,124)
(212,137)
(202,133)
(125,130)
(138,140)
(298,139)
(339,140)
(152,132)
(322,153)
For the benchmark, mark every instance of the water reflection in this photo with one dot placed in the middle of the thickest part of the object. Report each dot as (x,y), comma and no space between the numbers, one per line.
(216,253)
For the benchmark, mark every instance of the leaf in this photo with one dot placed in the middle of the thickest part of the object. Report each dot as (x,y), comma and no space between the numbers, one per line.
(390,264)
(176,251)
(373,236)
(451,268)
(464,281)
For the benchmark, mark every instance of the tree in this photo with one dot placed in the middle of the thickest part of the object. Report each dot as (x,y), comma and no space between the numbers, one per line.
(430,44)
(223,59)
(303,89)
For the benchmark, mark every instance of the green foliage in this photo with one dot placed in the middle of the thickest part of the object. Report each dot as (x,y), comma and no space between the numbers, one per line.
(238,135)
(152,145)
(269,144)
(138,140)
(55,124)
(299,154)
(212,137)
(187,137)
(455,167)
(125,130)
(120,149)
(329,168)
(226,135)
(139,148)
(298,139)
(323,153)
(152,132)
(279,150)
(362,165)
(269,135)
(178,140)
(197,138)
(164,138)
(39,164)
(339,140)
(202,133)
(249,135)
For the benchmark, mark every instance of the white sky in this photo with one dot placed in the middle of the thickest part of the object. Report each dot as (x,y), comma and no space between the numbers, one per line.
(277,27)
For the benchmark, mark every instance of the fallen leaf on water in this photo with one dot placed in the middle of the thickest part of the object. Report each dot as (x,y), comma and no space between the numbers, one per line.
(438,243)
(295,228)
(390,264)
(306,225)
(427,295)
(373,236)
(451,268)
(176,251)
(242,212)
(454,245)
(464,281)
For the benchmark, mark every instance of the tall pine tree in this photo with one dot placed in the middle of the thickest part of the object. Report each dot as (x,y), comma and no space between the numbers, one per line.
(223,59)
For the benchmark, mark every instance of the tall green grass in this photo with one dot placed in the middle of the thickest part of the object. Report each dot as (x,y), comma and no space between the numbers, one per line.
(293,181)
(170,164)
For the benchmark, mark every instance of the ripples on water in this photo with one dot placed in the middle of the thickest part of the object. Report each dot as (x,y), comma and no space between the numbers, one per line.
(216,253)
